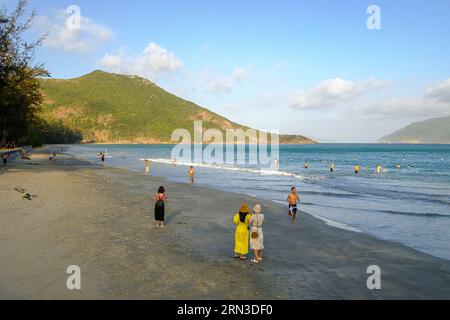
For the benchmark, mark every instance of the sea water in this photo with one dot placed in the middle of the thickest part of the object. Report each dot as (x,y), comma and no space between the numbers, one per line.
(410,204)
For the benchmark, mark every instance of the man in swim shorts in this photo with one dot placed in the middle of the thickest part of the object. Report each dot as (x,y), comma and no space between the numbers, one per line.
(191,174)
(147,167)
(293,198)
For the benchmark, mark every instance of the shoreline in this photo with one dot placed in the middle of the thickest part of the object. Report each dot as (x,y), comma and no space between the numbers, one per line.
(287,144)
(111,214)
(166,163)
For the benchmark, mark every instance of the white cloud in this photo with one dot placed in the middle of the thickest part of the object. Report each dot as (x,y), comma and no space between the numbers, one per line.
(151,62)
(334,92)
(228,83)
(87,38)
(435,102)
(439,92)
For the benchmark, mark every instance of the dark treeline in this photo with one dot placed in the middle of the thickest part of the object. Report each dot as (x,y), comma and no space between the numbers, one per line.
(50,133)
(20,93)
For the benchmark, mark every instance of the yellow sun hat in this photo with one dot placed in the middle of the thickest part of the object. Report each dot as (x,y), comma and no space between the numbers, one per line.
(244,208)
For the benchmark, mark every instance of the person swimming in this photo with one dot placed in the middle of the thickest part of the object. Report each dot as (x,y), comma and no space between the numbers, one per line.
(356,169)
(398,166)
(332,167)
(306,165)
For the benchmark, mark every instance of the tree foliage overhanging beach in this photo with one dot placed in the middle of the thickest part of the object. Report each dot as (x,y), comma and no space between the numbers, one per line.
(20,93)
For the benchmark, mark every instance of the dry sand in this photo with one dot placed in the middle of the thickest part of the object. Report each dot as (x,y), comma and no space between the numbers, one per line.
(101,219)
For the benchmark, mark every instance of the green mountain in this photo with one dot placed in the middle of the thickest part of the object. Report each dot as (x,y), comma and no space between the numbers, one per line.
(435,130)
(113,108)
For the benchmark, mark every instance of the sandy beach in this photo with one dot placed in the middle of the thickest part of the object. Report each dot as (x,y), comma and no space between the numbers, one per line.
(101,219)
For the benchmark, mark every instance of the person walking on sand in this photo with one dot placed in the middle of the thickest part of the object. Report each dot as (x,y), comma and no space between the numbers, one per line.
(160,197)
(147,168)
(293,198)
(191,174)
(256,233)
(4,159)
(241,220)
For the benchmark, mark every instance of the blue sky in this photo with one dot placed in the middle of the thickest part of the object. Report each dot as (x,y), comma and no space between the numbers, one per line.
(306,67)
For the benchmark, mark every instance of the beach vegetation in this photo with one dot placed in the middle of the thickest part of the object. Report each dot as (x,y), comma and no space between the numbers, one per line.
(21,96)
(116,108)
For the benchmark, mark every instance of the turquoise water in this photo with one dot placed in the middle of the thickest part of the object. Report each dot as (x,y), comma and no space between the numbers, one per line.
(410,205)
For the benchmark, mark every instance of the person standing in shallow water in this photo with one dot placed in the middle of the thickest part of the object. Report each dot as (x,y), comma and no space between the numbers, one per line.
(378,169)
(147,168)
(241,220)
(160,197)
(256,233)
(191,174)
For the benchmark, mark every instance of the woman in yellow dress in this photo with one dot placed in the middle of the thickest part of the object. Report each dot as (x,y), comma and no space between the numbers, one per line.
(241,219)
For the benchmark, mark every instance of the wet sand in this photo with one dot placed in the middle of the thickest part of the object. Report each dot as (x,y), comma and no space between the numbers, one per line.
(101,219)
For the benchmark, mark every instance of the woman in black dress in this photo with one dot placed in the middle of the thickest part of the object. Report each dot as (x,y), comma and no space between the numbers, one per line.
(160,199)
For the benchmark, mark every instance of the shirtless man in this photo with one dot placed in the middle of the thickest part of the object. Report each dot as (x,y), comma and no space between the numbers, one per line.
(191,174)
(293,198)
(147,167)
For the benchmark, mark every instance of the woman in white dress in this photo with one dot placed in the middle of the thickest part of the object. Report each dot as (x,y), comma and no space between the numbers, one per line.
(256,233)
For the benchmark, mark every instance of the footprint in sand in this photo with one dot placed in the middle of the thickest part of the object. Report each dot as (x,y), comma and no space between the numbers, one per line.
(21,190)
